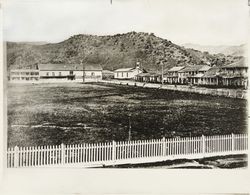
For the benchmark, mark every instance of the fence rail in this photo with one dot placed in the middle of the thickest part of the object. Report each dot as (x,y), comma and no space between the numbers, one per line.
(231,93)
(140,151)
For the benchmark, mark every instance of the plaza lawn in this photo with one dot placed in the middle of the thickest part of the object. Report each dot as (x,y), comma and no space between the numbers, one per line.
(72,113)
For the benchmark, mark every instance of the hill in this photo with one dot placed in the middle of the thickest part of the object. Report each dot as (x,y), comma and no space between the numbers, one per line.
(233,50)
(112,52)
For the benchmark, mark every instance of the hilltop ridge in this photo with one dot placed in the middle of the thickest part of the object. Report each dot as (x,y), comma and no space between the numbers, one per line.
(112,52)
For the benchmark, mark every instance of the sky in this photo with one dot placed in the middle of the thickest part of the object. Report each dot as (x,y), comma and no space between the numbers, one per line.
(206,22)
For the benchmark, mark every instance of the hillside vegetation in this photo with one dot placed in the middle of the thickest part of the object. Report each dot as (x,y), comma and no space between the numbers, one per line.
(239,50)
(112,52)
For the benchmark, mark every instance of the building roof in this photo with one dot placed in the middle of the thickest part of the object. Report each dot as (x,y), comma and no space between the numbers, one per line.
(24,70)
(239,64)
(176,68)
(143,74)
(60,67)
(191,68)
(212,72)
(204,68)
(107,72)
(68,67)
(125,69)
(92,67)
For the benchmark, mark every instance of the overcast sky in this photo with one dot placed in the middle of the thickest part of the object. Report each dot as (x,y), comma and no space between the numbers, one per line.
(207,22)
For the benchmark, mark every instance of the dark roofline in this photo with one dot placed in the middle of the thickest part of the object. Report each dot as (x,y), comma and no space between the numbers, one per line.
(69,67)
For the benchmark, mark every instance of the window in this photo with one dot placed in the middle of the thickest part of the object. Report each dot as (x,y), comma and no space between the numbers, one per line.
(53,74)
(60,74)
(47,73)
(122,74)
(92,74)
(127,74)
(71,72)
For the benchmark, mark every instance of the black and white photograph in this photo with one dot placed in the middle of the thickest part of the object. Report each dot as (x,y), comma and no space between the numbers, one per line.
(126,84)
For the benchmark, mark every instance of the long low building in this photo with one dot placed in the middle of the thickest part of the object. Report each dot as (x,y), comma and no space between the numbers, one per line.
(61,71)
(58,72)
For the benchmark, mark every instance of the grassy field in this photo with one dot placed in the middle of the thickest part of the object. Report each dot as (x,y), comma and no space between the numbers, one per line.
(71,113)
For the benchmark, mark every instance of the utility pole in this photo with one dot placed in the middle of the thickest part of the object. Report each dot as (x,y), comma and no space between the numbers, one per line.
(81,62)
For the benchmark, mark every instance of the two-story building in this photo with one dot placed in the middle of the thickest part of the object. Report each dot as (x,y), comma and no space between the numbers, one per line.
(235,74)
(211,78)
(172,75)
(23,75)
(197,73)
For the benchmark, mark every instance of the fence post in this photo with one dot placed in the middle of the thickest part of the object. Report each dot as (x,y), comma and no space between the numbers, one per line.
(16,157)
(113,150)
(233,142)
(203,145)
(62,154)
(164,146)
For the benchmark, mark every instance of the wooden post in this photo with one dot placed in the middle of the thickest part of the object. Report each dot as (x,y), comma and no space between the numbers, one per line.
(113,150)
(62,153)
(164,146)
(233,147)
(203,145)
(16,157)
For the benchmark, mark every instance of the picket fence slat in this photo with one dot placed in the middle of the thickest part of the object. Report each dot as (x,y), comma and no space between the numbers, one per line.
(37,156)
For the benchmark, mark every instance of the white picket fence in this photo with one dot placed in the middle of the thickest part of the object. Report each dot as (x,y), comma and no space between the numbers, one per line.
(114,153)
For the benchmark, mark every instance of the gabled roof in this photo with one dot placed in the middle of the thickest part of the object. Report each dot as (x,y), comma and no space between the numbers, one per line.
(24,70)
(107,72)
(212,72)
(195,68)
(176,68)
(128,69)
(124,70)
(205,68)
(68,67)
(60,67)
(143,74)
(239,64)
(92,67)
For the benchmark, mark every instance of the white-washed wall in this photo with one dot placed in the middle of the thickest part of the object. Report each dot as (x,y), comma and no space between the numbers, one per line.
(63,73)
(127,74)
